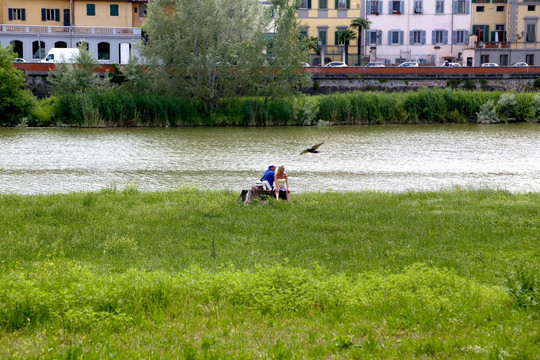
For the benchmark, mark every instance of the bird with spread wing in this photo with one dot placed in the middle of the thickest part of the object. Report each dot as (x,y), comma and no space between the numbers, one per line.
(312,149)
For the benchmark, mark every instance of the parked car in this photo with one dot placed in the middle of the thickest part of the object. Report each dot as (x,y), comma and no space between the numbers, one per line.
(19,60)
(520,64)
(304,64)
(336,64)
(375,64)
(408,64)
(449,64)
(489,65)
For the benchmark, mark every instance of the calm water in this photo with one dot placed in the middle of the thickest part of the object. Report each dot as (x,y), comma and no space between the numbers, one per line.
(385,158)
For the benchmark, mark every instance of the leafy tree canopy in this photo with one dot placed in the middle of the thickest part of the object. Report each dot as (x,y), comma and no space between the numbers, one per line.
(77,77)
(15,102)
(210,49)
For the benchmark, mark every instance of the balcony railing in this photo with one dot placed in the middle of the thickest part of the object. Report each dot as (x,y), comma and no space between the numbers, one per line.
(67,29)
(492,45)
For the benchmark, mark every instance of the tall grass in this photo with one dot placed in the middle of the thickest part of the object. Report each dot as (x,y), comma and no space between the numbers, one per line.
(115,108)
(195,274)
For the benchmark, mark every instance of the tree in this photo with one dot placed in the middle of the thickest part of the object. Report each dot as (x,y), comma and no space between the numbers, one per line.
(15,102)
(210,49)
(289,49)
(358,25)
(68,79)
(345,37)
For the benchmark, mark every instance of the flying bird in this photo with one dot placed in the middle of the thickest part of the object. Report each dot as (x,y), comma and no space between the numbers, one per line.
(312,149)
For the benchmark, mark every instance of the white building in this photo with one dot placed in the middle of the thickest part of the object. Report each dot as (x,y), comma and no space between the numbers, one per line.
(429,31)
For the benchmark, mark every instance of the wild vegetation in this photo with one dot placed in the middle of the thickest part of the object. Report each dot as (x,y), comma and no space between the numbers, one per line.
(117,108)
(195,274)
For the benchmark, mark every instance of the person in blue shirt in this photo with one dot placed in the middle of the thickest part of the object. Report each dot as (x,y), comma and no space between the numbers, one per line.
(268,177)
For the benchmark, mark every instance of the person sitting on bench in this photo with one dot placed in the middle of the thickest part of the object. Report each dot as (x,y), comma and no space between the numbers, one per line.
(282,183)
(268,178)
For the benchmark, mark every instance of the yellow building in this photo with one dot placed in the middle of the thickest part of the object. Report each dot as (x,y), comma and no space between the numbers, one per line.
(325,19)
(109,28)
(506,31)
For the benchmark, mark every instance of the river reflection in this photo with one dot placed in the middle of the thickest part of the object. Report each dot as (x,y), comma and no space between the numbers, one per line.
(383,158)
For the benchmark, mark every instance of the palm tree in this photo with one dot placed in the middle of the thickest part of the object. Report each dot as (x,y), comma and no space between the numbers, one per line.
(358,25)
(345,37)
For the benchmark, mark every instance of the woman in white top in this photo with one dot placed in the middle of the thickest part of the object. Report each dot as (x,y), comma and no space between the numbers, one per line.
(281,182)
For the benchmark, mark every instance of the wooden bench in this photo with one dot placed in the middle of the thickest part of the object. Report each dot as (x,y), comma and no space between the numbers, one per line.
(247,196)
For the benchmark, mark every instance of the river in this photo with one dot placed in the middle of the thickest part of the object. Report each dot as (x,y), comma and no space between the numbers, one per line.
(353,158)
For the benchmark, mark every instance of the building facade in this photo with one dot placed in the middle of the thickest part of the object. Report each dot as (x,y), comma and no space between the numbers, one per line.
(506,32)
(325,19)
(109,28)
(428,31)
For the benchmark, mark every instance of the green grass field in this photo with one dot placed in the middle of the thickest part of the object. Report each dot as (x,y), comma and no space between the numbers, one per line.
(194,274)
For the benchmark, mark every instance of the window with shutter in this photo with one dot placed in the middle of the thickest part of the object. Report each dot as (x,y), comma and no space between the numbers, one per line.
(16,14)
(439,7)
(114,10)
(90,9)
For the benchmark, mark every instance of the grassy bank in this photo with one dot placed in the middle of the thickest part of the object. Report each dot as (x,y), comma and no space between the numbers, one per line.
(115,108)
(194,274)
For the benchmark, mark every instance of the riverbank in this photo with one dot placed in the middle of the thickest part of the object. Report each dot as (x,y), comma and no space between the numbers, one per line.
(195,274)
(116,108)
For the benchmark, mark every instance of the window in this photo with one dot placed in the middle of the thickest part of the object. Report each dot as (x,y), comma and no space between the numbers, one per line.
(60,44)
(341,4)
(50,14)
(104,51)
(304,4)
(395,37)
(373,37)
(461,6)
(500,8)
(143,10)
(461,37)
(531,33)
(323,4)
(530,8)
(439,37)
(484,59)
(38,50)
(114,9)
(481,32)
(418,8)
(503,60)
(374,7)
(479,9)
(17,14)
(90,9)
(322,37)
(396,7)
(417,37)
(439,7)
(499,34)
(529,59)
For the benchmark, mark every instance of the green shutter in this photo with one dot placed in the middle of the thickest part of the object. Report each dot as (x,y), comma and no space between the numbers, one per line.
(309,4)
(348,4)
(337,4)
(114,10)
(486,33)
(91,9)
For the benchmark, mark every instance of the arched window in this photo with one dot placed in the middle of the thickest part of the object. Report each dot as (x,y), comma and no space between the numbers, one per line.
(104,51)
(60,44)
(38,50)
(18,48)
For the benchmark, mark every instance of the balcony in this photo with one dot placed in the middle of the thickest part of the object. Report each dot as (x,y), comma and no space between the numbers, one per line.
(492,45)
(102,31)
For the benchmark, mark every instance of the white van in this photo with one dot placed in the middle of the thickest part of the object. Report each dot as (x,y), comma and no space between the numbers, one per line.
(61,55)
